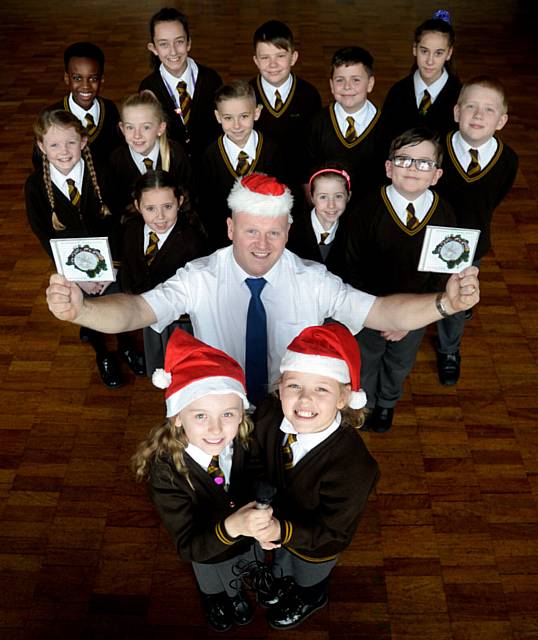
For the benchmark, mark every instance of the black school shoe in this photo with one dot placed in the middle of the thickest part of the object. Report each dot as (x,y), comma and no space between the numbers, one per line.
(276,592)
(448,368)
(135,360)
(379,420)
(293,609)
(109,370)
(242,609)
(218,611)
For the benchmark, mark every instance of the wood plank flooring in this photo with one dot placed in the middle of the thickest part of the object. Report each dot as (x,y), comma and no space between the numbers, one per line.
(448,547)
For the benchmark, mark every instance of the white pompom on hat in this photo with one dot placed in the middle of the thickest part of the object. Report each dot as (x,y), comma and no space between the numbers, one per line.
(261,195)
(329,350)
(193,369)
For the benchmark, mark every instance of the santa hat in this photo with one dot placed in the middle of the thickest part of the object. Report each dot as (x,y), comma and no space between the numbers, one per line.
(193,369)
(329,350)
(261,195)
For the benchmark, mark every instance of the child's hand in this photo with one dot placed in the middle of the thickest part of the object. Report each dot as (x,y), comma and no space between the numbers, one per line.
(272,532)
(248,521)
(64,298)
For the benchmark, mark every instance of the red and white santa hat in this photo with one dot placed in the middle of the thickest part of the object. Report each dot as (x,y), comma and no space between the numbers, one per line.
(261,195)
(193,369)
(329,350)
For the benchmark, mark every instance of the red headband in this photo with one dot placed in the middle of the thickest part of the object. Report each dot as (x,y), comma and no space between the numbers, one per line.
(340,172)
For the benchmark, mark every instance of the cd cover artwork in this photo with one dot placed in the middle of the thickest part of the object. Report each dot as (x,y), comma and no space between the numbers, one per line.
(447,249)
(83,259)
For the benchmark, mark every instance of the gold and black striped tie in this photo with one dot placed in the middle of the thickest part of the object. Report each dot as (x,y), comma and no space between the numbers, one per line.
(148,163)
(287,453)
(324,237)
(91,127)
(184,100)
(74,193)
(243,164)
(425,103)
(153,247)
(278,101)
(412,221)
(215,471)
(351,132)
(474,165)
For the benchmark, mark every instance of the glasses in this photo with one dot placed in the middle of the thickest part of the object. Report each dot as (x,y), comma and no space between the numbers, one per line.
(421,164)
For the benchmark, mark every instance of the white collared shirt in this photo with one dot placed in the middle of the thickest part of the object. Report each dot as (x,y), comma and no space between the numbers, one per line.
(204,459)
(138,158)
(298,294)
(270,89)
(76,174)
(307,441)
(485,151)
(422,204)
(80,113)
(190,75)
(434,89)
(232,150)
(318,228)
(362,117)
(162,236)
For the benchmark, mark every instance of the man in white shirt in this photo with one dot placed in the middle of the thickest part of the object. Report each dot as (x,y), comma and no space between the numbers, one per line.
(296,294)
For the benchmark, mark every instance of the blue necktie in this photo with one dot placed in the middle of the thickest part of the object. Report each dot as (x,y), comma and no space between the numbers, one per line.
(256,343)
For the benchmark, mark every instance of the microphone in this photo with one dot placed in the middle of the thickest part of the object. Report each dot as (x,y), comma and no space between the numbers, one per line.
(264,494)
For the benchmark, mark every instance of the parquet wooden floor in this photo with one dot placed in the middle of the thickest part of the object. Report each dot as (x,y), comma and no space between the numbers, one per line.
(448,548)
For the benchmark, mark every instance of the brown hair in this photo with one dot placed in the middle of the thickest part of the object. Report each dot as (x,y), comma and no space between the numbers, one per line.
(236,89)
(64,119)
(147,98)
(488,82)
(169,440)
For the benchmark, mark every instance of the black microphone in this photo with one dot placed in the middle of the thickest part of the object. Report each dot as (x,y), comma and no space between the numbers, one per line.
(264,494)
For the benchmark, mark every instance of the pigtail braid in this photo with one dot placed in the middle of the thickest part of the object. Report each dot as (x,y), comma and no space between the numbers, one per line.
(164,149)
(56,224)
(86,153)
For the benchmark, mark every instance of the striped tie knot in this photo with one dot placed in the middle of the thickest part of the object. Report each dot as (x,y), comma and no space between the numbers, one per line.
(215,471)
(243,164)
(351,132)
(411,221)
(474,165)
(153,247)
(74,193)
(324,236)
(425,103)
(91,127)
(278,101)
(184,100)
(148,163)
(287,453)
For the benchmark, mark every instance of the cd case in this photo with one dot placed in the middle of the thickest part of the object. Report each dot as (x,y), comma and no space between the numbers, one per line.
(83,259)
(448,249)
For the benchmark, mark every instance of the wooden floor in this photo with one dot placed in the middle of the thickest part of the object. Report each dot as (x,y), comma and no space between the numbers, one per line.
(448,547)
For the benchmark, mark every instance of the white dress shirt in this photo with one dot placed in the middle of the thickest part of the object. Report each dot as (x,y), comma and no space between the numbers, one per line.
(298,294)
(138,158)
(434,89)
(162,236)
(399,203)
(284,90)
(189,76)
(80,113)
(204,459)
(232,150)
(485,151)
(307,441)
(318,228)
(60,180)
(362,117)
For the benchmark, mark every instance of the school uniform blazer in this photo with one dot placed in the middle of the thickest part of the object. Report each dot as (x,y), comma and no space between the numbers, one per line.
(79,222)
(320,501)
(363,159)
(103,141)
(202,127)
(216,177)
(183,244)
(400,111)
(383,254)
(123,173)
(194,516)
(287,127)
(302,241)
(475,199)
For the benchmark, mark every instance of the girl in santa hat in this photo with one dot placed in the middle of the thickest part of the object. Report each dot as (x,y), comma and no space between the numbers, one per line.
(200,465)
(318,462)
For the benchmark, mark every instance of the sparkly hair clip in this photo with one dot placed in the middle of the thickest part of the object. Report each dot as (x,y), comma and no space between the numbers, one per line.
(442,14)
(340,172)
